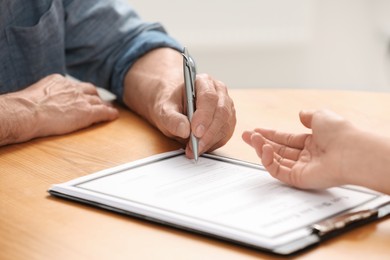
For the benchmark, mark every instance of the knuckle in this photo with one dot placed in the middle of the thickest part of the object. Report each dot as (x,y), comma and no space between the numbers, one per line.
(290,139)
(282,151)
(209,95)
(203,76)
(224,112)
(221,86)
(163,112)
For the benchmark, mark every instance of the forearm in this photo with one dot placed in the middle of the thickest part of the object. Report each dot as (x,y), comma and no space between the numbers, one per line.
(154,77)
(370,164)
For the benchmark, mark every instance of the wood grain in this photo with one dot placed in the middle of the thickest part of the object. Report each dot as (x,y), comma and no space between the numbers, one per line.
(34,225)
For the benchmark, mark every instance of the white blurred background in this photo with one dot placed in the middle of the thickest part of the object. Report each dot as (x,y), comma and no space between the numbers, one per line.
(334,44)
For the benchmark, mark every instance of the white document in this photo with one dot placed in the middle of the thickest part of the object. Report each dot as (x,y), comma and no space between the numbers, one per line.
(217,196)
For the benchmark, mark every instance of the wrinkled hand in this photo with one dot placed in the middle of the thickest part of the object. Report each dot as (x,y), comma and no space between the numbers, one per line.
(214,119)
(56,105)
(154,88)
(310,161)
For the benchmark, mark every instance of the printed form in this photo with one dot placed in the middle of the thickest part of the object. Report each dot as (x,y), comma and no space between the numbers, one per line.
(240,197)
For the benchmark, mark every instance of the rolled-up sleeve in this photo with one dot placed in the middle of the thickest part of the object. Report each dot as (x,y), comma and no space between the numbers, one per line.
(104,38)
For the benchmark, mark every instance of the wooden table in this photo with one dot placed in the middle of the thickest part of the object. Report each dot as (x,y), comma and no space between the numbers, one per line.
(34,225)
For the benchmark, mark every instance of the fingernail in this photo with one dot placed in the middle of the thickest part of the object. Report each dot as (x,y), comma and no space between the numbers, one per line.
(199,131)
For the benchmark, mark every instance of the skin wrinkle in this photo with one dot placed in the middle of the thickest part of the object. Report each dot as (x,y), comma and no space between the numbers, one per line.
(5,131)
(282,150)
(223,136)
(277,173)
(36,108)
(140,63)
(12,127)
(290,139)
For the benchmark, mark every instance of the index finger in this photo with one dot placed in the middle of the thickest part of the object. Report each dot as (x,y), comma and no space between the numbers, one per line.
(291,140)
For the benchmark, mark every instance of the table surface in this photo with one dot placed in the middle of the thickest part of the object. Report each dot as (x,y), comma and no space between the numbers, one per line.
(35,225)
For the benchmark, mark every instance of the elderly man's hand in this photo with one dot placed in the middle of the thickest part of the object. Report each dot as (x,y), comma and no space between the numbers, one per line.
(154,88)
(214,119)
(52,106)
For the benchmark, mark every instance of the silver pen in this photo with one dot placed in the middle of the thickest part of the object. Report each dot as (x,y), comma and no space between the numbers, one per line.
(189,69)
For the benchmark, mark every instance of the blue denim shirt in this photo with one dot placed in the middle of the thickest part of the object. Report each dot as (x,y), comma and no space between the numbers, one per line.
(92,40)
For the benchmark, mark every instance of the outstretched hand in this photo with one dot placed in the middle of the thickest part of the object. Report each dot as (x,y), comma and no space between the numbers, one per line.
(309,161)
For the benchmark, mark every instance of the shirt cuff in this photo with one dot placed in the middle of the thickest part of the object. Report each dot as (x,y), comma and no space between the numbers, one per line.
(144,43)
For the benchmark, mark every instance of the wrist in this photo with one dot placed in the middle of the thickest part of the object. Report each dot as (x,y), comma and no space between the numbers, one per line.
(17,119)
(7,129)
(373,162)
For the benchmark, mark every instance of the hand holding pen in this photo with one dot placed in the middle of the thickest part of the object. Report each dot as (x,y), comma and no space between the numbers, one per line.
(162,101)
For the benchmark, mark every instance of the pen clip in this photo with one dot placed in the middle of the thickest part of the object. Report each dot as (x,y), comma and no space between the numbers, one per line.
(191,68)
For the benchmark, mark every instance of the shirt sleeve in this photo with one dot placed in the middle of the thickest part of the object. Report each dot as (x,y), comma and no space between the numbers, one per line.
(104,38)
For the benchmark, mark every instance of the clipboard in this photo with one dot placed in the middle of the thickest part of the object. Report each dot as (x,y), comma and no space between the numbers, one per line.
(227,199)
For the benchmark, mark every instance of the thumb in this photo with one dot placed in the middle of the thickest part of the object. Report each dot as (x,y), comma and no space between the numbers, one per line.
(306,117)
